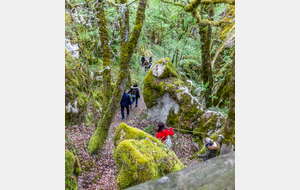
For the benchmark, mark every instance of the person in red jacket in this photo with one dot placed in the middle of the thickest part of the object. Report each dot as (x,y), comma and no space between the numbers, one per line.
(162,132)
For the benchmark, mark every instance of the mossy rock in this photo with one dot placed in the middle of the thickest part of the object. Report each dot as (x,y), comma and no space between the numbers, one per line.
(167,98)
(77,96)
(124,132)
(221,86)
(163,68)
(182,76)
(72,171)
(141,157)
(209,122)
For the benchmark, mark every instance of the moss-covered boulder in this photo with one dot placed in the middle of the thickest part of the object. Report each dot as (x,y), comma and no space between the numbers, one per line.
(208,124)
(141,157)
(167,99)
(72,171)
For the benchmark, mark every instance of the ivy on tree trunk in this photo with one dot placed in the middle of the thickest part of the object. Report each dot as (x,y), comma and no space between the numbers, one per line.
(229,128)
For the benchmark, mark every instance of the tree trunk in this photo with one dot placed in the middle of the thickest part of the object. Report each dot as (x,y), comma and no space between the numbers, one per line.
(98,138)
(229,128)
(177,57)
(104,37)
(206,76)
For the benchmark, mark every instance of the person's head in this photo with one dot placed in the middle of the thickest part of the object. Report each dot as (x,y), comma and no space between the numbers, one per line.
(135,85)
(124,90)
(206,140)
(161,127)
(143,55)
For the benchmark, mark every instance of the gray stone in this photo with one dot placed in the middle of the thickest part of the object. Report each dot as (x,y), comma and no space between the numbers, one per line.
(217,173)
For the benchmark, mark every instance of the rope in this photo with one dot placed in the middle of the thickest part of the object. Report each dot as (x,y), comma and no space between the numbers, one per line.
(190,131)
(200,133)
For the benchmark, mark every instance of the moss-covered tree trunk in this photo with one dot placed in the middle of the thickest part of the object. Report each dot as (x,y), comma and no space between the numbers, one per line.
(206,76)
(104,37)
(98,138)
(229,129)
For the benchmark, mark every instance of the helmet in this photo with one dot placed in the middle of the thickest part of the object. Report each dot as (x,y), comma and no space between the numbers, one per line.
(206,140)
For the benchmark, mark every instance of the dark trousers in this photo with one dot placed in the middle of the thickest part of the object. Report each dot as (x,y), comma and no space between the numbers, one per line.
(133,99)
(122,110)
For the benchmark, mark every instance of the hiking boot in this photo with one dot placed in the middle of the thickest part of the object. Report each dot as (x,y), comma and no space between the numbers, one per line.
(130,106)
(123,118)
(136,105)
(127,115)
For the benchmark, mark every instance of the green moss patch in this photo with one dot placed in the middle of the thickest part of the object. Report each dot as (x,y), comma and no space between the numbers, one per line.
(141,157)
(72,171)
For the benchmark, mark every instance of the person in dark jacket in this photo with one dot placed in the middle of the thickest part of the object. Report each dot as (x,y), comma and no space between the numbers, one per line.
(211,148)
(125,102)
(135,94)
(143,60)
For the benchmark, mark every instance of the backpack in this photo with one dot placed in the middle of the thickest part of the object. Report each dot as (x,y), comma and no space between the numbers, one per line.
(168,141)
(133,93)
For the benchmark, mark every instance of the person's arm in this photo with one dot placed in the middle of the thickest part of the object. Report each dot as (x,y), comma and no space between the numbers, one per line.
(129,100)
(138,93)
(204,155)
(159,136)
(219,139)
(129,91)
(171,131)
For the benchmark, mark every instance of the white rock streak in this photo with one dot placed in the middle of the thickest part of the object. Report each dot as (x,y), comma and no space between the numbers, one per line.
(185,90)
(158,69)
(73,109)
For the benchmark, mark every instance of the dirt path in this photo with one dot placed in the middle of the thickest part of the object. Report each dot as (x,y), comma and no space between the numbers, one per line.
(134,111)
(108,179)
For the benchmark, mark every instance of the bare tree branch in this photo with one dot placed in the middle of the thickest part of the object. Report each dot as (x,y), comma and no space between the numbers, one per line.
(221,47)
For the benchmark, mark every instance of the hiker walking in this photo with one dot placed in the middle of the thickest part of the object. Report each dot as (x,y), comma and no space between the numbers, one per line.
(143,60)
(211,148)
(163,132)
(150,59)
(135,94)
(125,102)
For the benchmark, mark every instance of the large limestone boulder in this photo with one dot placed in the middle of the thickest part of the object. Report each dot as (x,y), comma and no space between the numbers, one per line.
(216,173)
(72,171)
(167,98)
(141,157)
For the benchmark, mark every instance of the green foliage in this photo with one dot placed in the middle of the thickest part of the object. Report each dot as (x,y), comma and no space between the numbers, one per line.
(70,145)
(149,129)
(224,110)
